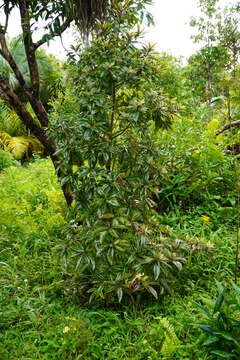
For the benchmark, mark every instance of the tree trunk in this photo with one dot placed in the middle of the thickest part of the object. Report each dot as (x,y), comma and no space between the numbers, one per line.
(12,100)
(68,193)
(9,96)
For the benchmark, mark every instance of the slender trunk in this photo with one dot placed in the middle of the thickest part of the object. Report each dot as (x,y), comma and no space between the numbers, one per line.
(229,108)
(8,95)
(209,84)
(234,64)
(29,46)
(31,92)
(68,193)
(111,127)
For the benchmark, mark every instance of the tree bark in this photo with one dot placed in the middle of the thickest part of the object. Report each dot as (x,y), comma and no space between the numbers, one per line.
(29,46)
(228,126)
(10,97)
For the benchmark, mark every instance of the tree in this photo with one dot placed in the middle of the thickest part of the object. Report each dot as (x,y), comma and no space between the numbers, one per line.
(204,71)
(213,57)
(171,79)
(229,35)
(108,119)
(57,15)
(216,63)
(50,74)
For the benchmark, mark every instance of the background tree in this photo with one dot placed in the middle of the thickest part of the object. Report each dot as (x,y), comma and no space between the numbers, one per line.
(206,34)
(229,35)
(58,15)
(204,72)
(51,81)
(216,63)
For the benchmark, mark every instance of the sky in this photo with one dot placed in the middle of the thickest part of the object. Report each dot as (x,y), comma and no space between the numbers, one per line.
(171,33)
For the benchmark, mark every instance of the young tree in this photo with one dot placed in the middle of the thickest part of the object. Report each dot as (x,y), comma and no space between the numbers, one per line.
(204,71)
(57,16)
(218,30)
(206,35)
(229,35)
(112,107)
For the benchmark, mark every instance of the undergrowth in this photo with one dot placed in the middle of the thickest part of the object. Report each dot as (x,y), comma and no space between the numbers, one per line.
(41,319)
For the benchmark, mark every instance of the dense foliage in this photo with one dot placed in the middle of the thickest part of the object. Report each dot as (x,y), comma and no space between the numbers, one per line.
(142,262)
(105,129)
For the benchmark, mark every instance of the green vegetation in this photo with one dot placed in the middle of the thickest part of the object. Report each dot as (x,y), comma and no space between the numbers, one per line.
(38,304)
(123,242)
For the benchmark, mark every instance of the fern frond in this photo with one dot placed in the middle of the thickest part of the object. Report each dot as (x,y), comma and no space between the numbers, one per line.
(5,139)
(171,340)
(20,146)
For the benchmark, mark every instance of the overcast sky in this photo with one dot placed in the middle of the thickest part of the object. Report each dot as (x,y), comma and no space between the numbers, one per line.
(171,32)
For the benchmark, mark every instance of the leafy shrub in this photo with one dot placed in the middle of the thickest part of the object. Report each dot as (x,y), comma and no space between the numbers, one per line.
(195,171)
(33,193)
(6,160)
(105,131)
(114,258)
(222,328)
(20,147)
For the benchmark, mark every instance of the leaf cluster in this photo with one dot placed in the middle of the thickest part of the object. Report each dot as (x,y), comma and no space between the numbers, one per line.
(222,329)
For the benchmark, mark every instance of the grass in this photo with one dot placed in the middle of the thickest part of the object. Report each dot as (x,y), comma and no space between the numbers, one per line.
(41,319)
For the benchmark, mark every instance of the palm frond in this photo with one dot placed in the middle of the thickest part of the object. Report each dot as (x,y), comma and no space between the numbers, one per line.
(87,12)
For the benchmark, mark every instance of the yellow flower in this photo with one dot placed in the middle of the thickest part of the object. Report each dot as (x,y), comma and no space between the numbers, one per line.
(205,218)
(66,329)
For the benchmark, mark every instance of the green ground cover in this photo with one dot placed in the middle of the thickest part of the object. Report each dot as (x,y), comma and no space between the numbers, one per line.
(42,318)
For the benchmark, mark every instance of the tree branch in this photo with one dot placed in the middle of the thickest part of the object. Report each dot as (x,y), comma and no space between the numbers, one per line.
(5,53)
(4,97)
(46,37)
(120,132)
(31,95)
(29,46)
(9,95)
(228,126)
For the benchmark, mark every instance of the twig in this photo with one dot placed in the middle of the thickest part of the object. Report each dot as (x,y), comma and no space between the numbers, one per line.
(120,132)
(228,126)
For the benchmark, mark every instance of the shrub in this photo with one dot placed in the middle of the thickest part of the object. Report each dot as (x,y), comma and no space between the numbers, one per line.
(222,328)
(105,130)
(6,160)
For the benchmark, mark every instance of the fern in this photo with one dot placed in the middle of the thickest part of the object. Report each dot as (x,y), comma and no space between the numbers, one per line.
(10,122)
(171,341)
(20,146)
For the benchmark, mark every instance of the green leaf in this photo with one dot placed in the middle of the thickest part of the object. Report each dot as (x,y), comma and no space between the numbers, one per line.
(119,294)
(64,180)
(222,354)
(211,340)
(204,310)
(218,303)
(206,328)
(219,321)
(152,291)
(178,265)
(227,336)
(113,202)
(156,270)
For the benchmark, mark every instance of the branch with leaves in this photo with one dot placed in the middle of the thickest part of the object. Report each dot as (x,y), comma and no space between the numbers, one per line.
(228,126)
